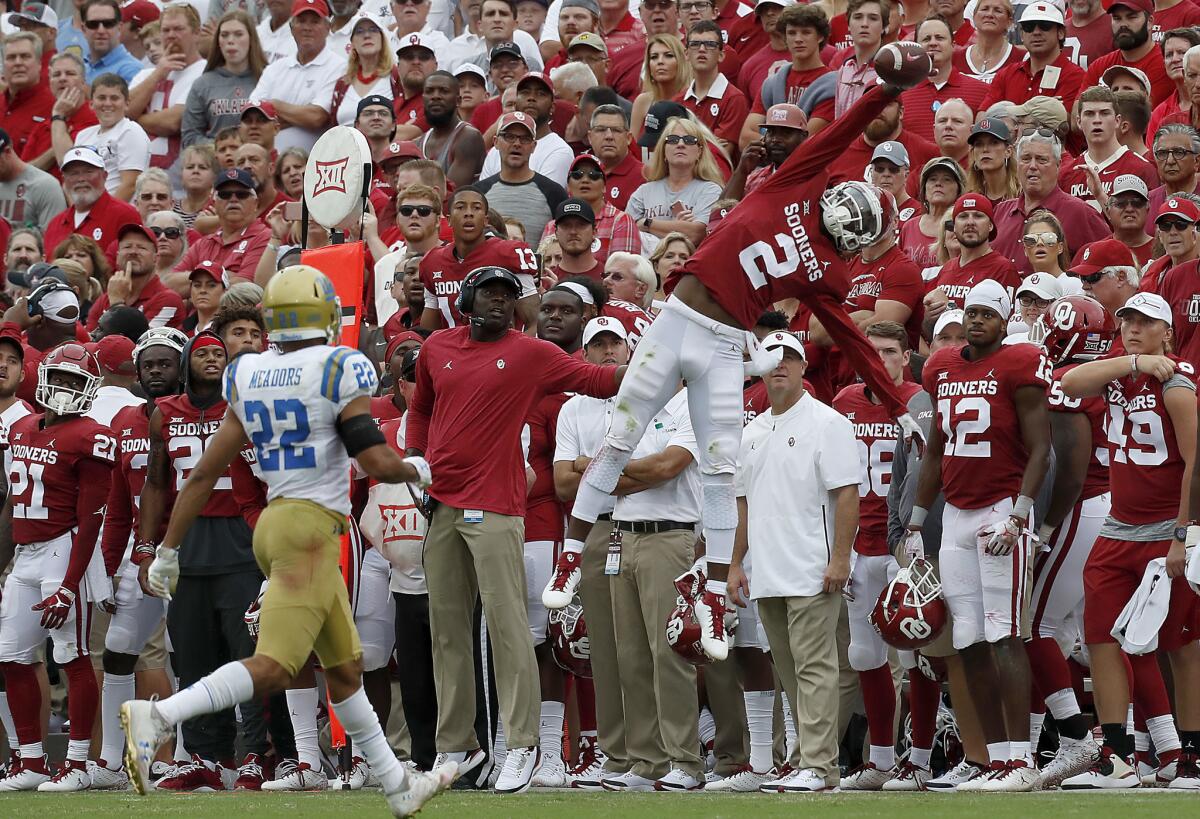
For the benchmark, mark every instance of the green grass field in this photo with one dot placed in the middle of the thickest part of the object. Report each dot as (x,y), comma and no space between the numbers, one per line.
(568,805)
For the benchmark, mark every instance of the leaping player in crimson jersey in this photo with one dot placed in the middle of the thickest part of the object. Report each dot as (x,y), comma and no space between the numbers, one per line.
(790,238)
(988,452)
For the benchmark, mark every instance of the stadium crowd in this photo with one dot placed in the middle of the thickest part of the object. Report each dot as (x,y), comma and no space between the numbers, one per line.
(1027,271)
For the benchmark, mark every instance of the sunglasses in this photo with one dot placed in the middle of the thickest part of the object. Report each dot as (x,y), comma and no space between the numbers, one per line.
(1035,239)
(694,6)
(421,210)
(1038,25)
(238,194)
(170,233)
(686,139)
(595,176)
(1033,301)
(1092,278)
(1122,202)
(1168,225)
(97,24)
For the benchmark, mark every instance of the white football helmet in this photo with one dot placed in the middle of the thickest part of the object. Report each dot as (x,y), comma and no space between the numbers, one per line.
(856,214)
(76,360)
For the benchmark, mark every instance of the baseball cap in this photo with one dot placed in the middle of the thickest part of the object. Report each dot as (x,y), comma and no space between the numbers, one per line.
(588,159)
(13,337)
(603,324)
(265,107)
(398,339)
(1138,74)
(1046,110)
(139,12)
(945,163)
(537,76)
(408,364)
(946,319)
(115,354)
(1044,12)
(37,13)
(992,127)
(473,70)
(518,118)
(82,153)
(138,228)
(893,152)
(414,40)
(786,340)
(1180,208)
(1042,285)
(973,202)
(377,100)
(784,3)
(37,272)
(991,294)
(1130,183)
(213,270)
(576,208)
(1150,305)
(785,115)
(509,48)
(588,5)
(319,7)
(404,149)
(656,120)
(60,306)
(1137,5)
(238,176)
(591,40)
(1104,253)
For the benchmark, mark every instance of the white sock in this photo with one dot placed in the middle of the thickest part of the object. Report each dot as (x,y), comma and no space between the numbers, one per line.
(10,728)
(302,705)
(1129,719)
(716,586)
(573,545)
(117,689)
(499,745)
(883,757)
(181,752)
(760,708)
(1163,733)
(77,750)
(550,728)
(1062,704)
(32,751)
(920,757)
(222,689)
(1141,741)
(1020,751)
(998,752)
(362,726)
(789,726)
(1035,729)
(708,727)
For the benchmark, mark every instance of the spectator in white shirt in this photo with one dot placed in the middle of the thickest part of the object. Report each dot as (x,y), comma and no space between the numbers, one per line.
(413,17)
(119,140)
(274,32)
(497,24)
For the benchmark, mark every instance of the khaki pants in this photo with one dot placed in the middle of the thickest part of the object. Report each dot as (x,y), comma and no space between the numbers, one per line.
(485,560)
(802,635)
(598,612)
(658,686)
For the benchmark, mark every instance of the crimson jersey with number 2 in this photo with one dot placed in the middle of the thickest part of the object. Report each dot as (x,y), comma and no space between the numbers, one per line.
(984,455)
(43,477)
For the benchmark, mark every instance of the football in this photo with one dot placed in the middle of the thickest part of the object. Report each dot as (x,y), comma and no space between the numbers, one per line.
(904,64)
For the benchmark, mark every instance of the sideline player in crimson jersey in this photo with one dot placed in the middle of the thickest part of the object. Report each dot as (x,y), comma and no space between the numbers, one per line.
(988,453)
(1151,397)
(137,614)
(874,565)
(59,469)
(1075,329)
(791,238)
(443,269)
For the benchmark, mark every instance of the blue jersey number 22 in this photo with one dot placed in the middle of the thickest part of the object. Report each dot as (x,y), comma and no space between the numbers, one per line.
(292,418)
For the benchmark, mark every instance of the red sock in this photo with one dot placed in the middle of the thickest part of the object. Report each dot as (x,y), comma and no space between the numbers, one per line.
(924,696)
(1048,665)
(24,700)
(879,697)
(1149,691)
(83,697)
(585,698)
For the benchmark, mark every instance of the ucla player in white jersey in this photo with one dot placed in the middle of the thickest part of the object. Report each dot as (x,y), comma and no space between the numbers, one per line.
(306,410)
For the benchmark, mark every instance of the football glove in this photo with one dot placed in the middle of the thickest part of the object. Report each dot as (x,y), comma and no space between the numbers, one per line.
(254,613)
(1000,537)
(164,572)
(912,433)
(761,361)
(56,608)
(424,475)
(914,546)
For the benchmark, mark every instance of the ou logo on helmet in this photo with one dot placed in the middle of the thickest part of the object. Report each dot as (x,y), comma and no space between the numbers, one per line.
(1064,315)
(915,629)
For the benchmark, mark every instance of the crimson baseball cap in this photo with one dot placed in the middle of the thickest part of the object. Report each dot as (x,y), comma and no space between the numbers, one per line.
(139,12)
(318,7)
(404,149)
(139,228)
(115,354)
(536,76)
(397,340)
(785,115)
(1137,5)
(1104,253)
(13,337)
(588,159)
(973,201)
(213,270)
(518,118)
(1180,208)
(265,107)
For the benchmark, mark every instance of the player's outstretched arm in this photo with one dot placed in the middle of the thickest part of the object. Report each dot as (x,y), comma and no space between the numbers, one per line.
(221,450)
(366,444)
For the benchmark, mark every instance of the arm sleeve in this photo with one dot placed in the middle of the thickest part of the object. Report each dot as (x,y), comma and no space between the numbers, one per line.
(625,235)
(95,482)
(194,124)
(635,207)
(705,199)
(134,150)
(854,345)
(558,165)
(563,373)
(118,523)
(566,438)
(684,437)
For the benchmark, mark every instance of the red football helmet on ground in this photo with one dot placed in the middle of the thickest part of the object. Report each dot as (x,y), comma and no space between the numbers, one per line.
(1076,327)
(74,360)
(569,639)
(683,627)
(911,611)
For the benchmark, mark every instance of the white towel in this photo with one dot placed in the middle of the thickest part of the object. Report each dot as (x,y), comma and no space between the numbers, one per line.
(1137,625)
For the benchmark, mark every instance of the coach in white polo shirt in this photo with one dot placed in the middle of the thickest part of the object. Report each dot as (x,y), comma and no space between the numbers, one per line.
(799,473)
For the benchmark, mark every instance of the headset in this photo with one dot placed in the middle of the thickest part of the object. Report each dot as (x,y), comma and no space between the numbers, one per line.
(479,277)
(44,288)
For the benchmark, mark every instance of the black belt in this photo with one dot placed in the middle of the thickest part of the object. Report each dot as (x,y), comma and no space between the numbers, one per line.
(651,527)
(605,516)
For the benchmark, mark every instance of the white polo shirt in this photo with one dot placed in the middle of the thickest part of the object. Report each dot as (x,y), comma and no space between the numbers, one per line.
(788,465)
(582,422)
(277,44)
(310,84)
(679,498)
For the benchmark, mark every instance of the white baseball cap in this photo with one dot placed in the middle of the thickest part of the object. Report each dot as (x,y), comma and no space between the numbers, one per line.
(1042,285)
(85,154)
(991,294)
(1150,305)
(782,339)
(946,319)
(1046,12)
(61,306)
(603,324)
(1130,183)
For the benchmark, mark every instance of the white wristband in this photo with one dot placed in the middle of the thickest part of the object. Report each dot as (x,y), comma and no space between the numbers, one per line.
(917,518)
(1023,507)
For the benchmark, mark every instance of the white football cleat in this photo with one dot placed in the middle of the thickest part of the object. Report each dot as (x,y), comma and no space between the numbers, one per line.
(805,780)
(26,775)
(105,778)
(1187,774)
(628,782)
(710,612)
(866,777)
(778,779)
(71,777)
(747,780)
(909,777)
(1159,777)
(975,783)
(678,779)
(949,781)
(560,591)
(551,772)
(419,788)
(1108,772)
(300,778)
(1018,776)
(145,732)
(1074,757)
(519,766)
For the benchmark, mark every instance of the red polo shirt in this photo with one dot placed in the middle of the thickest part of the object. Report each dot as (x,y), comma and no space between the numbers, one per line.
(100,224)
(39,140)
(627,33)
(625,72)
(1152,64)
(23,112)
(411,111)
(239,256)
(623,180)
(921,103)
(161,306)
(723,109)
(1016,84)
(746,34)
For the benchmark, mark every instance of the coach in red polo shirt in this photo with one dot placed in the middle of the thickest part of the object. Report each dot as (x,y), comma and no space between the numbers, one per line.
(95,213)
(135,284)
(241,238)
